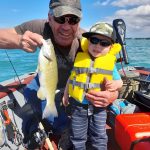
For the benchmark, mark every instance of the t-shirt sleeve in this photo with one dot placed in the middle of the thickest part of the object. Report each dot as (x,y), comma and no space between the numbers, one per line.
(116,75)
(36,26)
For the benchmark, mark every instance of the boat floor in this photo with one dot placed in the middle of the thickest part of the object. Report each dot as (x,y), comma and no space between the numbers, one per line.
(112,144)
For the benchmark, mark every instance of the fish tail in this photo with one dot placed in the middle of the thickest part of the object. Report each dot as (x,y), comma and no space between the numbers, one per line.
(50,112)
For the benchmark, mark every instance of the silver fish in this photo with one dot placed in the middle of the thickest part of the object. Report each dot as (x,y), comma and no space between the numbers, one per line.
(48,77)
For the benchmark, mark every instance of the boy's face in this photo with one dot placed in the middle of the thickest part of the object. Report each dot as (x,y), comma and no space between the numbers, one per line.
(99,45)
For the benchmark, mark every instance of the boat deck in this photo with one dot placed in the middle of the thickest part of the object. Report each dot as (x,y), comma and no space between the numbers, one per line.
(112,144)
(12,90)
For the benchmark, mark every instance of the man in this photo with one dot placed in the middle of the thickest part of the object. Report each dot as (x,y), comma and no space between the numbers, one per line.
(62,27)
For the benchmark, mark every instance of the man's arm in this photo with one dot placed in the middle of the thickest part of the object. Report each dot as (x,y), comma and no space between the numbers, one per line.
(9,39)
(29,41)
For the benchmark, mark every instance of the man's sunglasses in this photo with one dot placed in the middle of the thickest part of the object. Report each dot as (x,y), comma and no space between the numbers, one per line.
(102,42)
(72,20)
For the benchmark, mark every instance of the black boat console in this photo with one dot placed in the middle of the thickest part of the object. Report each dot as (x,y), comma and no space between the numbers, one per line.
(142,96)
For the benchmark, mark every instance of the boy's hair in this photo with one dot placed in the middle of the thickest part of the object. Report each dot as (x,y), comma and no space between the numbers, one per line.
(101,28)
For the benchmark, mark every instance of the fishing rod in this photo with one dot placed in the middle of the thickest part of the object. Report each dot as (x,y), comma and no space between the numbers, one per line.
(10,130)
(41,127)
(13,66)
(120,28)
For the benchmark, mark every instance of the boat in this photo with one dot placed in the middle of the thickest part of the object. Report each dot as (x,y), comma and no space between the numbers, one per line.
(11,103)
(11,95)
(121,127)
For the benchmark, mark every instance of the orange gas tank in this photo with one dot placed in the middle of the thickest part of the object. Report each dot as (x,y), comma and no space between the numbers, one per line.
(133,129)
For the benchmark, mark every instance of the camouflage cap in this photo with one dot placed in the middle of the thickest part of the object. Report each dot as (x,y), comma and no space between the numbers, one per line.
(64,7)
(101,28)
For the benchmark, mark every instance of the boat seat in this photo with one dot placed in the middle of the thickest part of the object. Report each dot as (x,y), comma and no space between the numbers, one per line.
(142,99)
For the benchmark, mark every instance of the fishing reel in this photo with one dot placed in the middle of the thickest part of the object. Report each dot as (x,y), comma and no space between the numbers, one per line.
(36,139)
(10,130)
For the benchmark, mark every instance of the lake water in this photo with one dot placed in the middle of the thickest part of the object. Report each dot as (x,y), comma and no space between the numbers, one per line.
(138,53)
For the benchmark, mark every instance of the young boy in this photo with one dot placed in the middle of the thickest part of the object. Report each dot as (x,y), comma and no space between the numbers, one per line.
(91,69)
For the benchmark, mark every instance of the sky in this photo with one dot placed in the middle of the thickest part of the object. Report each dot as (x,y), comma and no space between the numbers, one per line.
(135,13)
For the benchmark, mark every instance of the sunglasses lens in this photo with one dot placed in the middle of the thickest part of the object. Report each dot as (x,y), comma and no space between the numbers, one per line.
(102,42)
(60,20)
(105,43)
(94,40)
(71,20)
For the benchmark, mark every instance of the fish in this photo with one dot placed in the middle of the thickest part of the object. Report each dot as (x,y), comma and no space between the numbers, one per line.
(48,78)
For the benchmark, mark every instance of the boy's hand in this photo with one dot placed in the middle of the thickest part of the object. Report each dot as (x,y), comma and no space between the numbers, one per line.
(65,100)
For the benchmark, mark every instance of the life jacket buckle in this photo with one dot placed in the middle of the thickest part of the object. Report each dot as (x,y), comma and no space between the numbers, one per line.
(89,86)
(92,70)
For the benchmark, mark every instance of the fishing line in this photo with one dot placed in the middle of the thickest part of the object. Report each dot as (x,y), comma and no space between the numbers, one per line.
(19,136)
(13,67)
(40,124)
(121,62)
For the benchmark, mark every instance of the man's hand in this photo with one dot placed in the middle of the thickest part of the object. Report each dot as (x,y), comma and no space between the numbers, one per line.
(101,98)
(29,41)
(112,85)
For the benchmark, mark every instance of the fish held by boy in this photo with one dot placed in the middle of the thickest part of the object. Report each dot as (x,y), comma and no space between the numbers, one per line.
(48,77)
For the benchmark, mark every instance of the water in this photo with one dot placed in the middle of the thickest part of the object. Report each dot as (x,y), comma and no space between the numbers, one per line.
(138,52)
(23,62)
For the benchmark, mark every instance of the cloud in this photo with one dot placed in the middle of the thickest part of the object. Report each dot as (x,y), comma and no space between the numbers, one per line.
(140,11)
(124,3)
(136,18)
(101,2)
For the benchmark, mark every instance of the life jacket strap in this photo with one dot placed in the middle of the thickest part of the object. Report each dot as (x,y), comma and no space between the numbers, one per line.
(85,86)
(80,70)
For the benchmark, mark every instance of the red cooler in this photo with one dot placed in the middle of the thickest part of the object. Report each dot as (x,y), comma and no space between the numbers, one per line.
(133,130)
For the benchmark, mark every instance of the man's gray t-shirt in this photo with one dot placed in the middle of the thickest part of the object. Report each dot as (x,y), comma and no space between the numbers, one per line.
(65,56)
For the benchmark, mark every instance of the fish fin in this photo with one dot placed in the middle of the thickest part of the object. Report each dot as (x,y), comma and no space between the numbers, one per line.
(45,50)
(50,113)
(40,94)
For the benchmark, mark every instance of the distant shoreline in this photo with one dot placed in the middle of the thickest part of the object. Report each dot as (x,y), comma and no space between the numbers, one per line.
(139,38)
